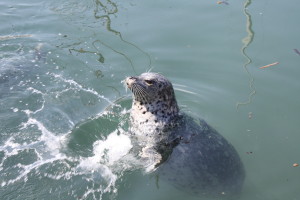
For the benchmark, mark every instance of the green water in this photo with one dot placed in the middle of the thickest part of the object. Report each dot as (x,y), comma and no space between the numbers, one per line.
(62,102)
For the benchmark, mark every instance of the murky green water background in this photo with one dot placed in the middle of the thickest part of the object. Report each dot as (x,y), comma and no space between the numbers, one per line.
(61,67)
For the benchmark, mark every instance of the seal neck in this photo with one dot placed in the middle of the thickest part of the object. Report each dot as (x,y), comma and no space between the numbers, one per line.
(152,117)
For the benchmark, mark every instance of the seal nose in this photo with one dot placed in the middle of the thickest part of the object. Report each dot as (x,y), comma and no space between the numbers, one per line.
(130,80)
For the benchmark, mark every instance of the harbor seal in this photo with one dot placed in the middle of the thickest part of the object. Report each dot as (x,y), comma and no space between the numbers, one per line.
(189,153)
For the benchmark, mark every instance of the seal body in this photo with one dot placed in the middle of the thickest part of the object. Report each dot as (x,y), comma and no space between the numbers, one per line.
(189,153)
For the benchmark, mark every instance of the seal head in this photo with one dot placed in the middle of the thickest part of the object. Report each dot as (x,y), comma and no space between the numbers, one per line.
(154,104)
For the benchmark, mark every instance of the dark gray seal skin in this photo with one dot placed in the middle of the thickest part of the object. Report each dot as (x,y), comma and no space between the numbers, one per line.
(193,155)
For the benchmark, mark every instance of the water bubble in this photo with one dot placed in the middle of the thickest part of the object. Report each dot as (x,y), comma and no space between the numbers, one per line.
(15,109)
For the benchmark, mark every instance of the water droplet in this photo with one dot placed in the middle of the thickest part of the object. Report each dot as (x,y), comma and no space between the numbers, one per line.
(15,109)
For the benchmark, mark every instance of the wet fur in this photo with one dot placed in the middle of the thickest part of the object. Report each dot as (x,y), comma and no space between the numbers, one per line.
(193,155)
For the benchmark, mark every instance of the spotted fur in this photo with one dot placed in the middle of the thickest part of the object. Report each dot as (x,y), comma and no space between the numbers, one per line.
(190,153)
(154,104)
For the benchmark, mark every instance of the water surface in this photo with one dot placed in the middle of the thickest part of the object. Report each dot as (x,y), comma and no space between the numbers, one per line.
(64,110)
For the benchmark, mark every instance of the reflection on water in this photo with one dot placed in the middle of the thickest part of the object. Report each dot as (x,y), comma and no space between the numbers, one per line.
(98,15)
(247,42)
(62,105)
(81,50)
(111,9)
(102,12)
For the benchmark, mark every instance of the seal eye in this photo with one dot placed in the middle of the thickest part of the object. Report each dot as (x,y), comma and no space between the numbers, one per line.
(149,82)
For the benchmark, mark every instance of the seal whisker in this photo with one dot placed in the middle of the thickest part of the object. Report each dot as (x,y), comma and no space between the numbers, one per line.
(140,92)
(142,96)
(137,92)
(143,93)
(124,84)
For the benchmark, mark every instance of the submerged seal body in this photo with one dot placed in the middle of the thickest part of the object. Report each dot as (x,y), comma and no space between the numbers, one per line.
(189,153)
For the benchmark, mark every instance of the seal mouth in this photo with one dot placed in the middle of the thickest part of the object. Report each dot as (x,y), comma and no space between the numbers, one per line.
(139,92)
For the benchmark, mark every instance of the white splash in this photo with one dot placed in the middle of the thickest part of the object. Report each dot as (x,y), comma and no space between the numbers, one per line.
(78,86)
(11,148)
(46,148)
(53,142)
(108,152)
